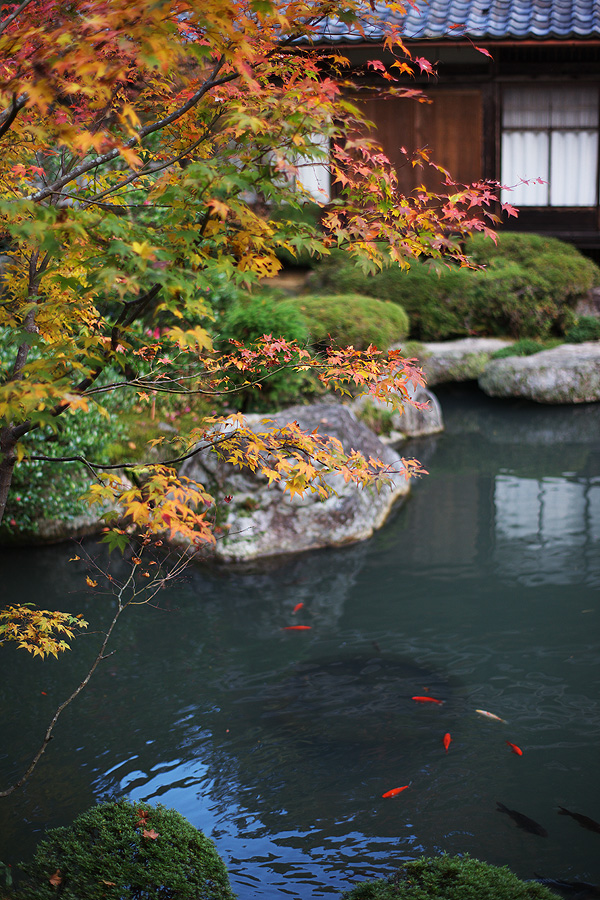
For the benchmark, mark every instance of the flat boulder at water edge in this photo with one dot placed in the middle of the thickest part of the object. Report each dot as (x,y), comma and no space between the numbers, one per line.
(461,360)
(569,373)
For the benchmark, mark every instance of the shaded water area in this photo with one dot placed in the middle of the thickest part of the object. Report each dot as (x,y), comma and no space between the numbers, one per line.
(481,591)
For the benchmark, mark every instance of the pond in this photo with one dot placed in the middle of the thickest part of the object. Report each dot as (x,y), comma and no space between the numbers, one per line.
(481,591)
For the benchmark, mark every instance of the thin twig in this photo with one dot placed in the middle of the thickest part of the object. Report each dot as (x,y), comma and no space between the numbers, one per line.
(63,706)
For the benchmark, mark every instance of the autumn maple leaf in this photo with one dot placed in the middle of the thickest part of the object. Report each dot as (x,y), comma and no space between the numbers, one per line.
(55,879)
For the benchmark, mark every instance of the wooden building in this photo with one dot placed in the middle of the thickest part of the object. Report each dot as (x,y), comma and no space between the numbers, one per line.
(528,111)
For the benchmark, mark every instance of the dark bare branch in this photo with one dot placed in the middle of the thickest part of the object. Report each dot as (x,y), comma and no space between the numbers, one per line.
(9,115)
(14,14)
(98,161)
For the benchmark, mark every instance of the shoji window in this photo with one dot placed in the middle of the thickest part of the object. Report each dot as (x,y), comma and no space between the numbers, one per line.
(550,133)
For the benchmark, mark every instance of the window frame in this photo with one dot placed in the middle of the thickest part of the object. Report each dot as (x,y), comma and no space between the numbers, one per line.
(549,130)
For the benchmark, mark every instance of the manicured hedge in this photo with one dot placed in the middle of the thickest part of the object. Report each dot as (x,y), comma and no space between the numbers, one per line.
(528,289)
(450,878)
(126,851)
(352,320)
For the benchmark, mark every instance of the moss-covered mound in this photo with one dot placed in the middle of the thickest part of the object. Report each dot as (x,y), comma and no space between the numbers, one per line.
(126,851)
(352,319)
(450,878)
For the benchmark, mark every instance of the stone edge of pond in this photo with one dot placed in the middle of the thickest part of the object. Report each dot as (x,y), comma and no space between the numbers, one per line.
(567,374)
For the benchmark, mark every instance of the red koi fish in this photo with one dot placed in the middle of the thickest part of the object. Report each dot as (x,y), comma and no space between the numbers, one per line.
(427,700)
(297,607)
(515,749)
(297,627)
(447,741)
(394,791)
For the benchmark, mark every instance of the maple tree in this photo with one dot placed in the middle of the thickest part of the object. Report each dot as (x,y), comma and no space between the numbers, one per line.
(145,147)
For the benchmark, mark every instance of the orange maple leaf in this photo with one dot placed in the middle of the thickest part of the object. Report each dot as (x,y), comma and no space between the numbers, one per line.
(55,879)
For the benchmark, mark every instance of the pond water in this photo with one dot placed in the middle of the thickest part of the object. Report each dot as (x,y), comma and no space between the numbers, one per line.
(481,591)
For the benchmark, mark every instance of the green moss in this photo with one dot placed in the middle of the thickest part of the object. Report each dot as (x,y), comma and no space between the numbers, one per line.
(450,878)
(381,421)
(126,851)
(352,319)
(526,347)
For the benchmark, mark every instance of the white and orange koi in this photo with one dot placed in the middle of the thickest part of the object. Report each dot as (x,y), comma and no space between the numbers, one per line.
(489,715)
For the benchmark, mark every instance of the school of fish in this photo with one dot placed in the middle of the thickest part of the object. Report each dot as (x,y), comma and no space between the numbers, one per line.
(521,820)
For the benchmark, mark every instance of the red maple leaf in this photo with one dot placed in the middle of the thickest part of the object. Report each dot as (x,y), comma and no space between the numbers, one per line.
(506,207)
(424,64)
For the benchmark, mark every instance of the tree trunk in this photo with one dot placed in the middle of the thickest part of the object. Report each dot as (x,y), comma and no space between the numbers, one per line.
(7,465)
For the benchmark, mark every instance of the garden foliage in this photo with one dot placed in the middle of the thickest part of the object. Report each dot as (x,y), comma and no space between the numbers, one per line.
(150,153)
(528,287)
(450,878)
(586,328)
(246,320)
(129,851)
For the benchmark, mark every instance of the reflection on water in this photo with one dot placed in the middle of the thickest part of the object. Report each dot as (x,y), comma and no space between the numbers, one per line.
(547,529)
(481,591)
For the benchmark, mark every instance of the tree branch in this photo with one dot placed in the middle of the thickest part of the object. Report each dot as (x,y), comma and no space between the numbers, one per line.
(17,12)
(142,133)
(9,115)
(164,462)
(131,310)
(150,591)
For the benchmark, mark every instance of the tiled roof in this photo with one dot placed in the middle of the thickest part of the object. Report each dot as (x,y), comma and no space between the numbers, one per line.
(491,19)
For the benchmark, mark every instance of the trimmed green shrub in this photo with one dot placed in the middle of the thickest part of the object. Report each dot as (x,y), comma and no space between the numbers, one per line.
(126,851)
(587,328)
(424,293)
(247,319)
(529,288)
(450,878)
(352,320)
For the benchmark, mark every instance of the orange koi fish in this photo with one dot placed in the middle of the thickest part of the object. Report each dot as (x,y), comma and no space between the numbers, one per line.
(515,749)
(427,700)
(447,741)
(297,627)
(297,607)
(395,791)
(488,715)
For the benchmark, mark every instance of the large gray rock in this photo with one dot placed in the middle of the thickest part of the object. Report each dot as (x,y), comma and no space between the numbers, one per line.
(394,427)
(461,360)
(265,521)
(567,374)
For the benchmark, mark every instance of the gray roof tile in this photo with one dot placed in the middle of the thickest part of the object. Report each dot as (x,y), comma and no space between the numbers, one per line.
(497,19)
